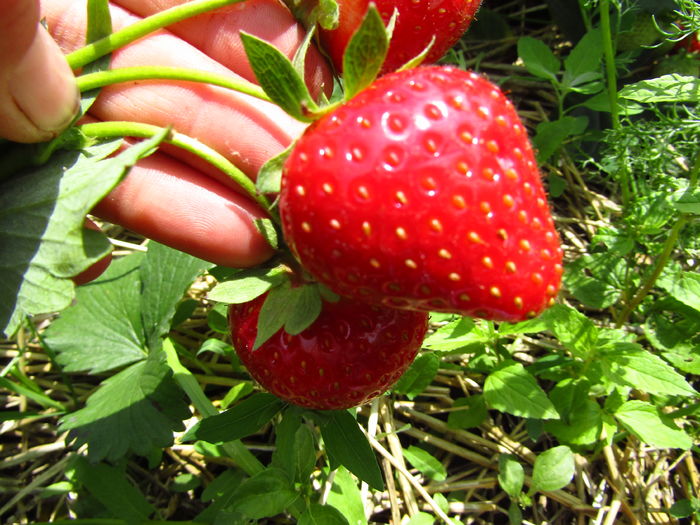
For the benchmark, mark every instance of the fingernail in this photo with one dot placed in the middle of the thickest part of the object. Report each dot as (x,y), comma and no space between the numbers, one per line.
(44,88)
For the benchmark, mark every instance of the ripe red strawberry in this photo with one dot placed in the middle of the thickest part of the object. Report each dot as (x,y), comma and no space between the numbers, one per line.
(417,23)
(349,355)
(422,192)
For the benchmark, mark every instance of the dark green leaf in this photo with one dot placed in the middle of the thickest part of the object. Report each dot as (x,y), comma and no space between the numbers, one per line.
(244,419)
(511,389)
(295,450)
(551,135)
(134,411)
(538,58)
(111,488)
(365,53)
(582,67)
(322,515)
(467,412)
(166,274)
(511,476)
(41,217)
(418,376)
(278,78)
(553,469)
(247,285)
(583,426)
(103,329)
(346,445)
(266,494)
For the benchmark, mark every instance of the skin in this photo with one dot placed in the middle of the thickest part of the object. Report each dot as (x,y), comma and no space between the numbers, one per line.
(202,213)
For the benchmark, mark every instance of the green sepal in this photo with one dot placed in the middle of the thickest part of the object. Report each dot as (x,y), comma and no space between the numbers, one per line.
(325,13)
(293,308)
(267,229)
(270,175)
(365,53)
(279,78)
(247,285)
(419,58)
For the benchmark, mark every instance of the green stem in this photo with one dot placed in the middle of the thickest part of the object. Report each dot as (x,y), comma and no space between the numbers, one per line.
(235,449)
(100,79)
(106,45)
(661,263)
(120,129)
(611,80)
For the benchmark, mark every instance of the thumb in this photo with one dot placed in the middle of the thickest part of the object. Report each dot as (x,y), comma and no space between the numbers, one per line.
(38,93)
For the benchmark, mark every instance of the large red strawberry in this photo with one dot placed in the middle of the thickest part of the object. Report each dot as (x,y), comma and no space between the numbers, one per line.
(417,23)
(422,192)
(349,355)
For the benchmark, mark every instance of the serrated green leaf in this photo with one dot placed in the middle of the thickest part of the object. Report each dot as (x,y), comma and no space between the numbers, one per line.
(278,78)
(247,285)
(553,469)
(511,475)
(243,419)
(265,494)
(135,410)
(457,335)
(346,445)
(166,274)
(467,412)
(583,426)
(573,329)
(683,286)
(322,515)
(103,330)
(426,464)
(418,376)
(365,53)
(538,58)
(41,218)
(628,364)
(512,389)
(111,488)
(644,421)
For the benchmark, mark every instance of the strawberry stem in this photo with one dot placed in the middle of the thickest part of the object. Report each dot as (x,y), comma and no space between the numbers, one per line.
(119,129)
(100,79)
(106,45)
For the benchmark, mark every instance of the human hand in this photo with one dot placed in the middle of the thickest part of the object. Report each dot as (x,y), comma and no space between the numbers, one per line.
(173,197)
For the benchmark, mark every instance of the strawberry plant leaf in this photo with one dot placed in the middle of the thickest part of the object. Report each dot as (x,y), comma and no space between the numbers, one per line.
(425,463)
(644,421)
(48,206)
(346,497)
(133,411)
(243,419)
(573,329)
(166,274)
(582,70)
(467,412)
(511,475)
(629,364)
(553,469)
(278,78)
(317,514)
(512,389)
(111,488)
(263,495)
(247,285)
(346,445)
(418,376)
(682,286)
(538,58)
(103,330)
(365,53)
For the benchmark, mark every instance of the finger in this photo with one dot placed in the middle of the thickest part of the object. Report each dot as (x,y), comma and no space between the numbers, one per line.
(218,34)
(38,94)
(171,203)
(246,130)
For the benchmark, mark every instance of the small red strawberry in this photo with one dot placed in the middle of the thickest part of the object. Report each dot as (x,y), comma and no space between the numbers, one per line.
(422,192)
(418,21)
(351,353)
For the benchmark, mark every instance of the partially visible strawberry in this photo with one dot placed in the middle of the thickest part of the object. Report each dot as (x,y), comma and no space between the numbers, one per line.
(418,21)
(691,43)
(349,355)
(422,192)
